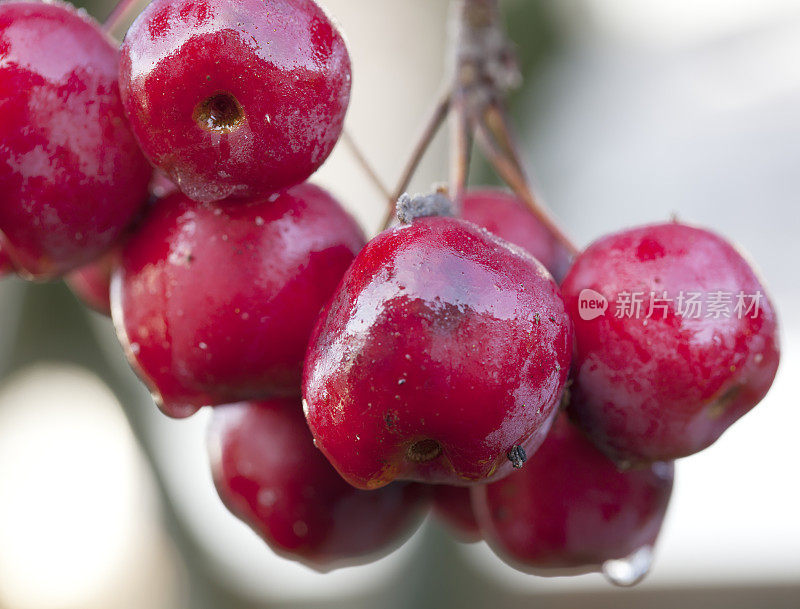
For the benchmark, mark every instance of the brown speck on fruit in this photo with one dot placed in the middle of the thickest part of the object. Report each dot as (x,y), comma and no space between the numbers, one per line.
(718,407)
(423,451)
(517,456)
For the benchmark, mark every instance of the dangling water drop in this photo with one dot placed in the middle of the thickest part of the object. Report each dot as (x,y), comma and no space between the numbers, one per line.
(630,570)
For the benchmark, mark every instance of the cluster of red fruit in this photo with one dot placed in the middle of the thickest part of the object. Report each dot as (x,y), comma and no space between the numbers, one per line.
(448,362)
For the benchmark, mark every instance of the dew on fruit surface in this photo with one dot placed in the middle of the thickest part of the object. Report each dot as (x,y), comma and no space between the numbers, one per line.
(759,358)
(203,346)
(401,381)
(300,528)
(629,571)
(663,469)
(135,348)
(259,221)
(305,406)
(267,497)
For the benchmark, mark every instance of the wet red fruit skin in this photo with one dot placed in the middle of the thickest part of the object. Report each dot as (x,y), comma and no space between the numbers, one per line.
(502,214)
(670,387)
(235,98)
(161,186)
(442,350)
(453,506)
(216,303)
(570,508)
(269,474)
(71,174)
(92,283)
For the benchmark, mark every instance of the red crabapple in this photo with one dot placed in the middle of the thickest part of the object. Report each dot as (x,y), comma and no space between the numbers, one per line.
(687,345)
(453,506)
(571,510)
(440,359)
(235,98)
(72,177)
(92,283)
(504,215)
(215,303)
(269,474)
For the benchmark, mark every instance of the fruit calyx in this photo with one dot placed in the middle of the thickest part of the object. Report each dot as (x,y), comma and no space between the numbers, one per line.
(435,204)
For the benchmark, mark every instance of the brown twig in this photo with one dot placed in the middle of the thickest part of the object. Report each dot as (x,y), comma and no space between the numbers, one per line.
(119,15)
(365,165)
(460,151)
(429,130)
(484,70)
(500,149)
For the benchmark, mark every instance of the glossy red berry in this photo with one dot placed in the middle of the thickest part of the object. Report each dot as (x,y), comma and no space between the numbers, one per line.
(506,216)
(687,345)
(215,303)
(571,509)
(269,474)
(71,174)
(92,283)
(161,186)
(441,358)
(453,506)
(235,97)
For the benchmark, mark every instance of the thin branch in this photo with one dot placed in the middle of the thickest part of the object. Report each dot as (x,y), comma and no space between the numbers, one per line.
(460,151)
(500,149)
(431,127)
(365,165)
(120,15)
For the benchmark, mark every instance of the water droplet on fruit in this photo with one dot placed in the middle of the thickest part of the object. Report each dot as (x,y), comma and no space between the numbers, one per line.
(300,528)
(305,407)
(203,346)
(401,381)
(267,497)
(630,570)
(259,221)
(135,348)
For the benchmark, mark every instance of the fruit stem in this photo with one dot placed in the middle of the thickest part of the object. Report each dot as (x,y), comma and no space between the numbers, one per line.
(365,165)
(499,147)
(484,69)
(460,150)
(119,16)
(429,130)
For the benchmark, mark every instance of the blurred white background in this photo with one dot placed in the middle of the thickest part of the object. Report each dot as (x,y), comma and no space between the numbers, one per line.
(648,109)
